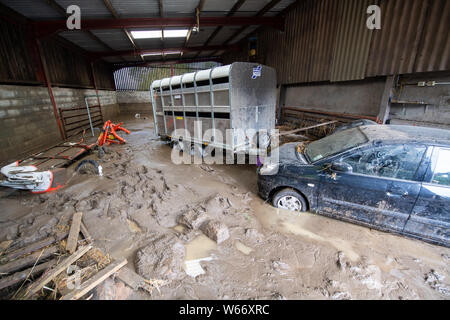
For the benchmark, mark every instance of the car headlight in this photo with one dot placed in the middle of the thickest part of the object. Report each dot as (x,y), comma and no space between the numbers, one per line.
(269,169)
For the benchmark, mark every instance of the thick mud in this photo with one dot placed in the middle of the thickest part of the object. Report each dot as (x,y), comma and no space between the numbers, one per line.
(270,254)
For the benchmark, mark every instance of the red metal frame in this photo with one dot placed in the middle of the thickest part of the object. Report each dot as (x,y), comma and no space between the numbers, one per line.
(96,118)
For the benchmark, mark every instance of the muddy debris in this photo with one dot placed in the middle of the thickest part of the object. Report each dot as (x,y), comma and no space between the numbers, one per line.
(112,290)
(193,218)
(162,259)
(216,230)
(435,280)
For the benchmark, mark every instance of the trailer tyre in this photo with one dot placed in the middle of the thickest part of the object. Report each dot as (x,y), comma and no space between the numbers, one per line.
(289,199)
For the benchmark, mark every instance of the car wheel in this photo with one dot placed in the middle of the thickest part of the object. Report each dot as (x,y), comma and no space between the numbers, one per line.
(289,199)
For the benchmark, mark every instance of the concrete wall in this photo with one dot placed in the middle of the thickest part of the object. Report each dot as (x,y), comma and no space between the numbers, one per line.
(132,102)
(27,122)
(364,98)
(435,113)
(354,97)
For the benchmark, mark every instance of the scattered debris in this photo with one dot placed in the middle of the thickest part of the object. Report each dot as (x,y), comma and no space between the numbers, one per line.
(89,166)
(206,168)
(243,248)
(56,270)
(131,278)
(29,260)
(109,134)
(434,280)
(23,275)
(193,267)
(216,231)
(112,290)
(95,280)
(72,239)
(4,245)
(161,259)
(33,247)
(193,218)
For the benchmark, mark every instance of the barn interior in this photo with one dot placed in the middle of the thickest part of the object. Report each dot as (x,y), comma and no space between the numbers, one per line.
(119,219)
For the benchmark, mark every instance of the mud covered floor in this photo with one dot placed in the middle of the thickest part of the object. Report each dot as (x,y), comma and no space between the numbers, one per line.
(271,254)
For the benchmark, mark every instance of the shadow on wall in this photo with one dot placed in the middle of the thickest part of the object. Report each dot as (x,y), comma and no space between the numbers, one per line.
(132,102)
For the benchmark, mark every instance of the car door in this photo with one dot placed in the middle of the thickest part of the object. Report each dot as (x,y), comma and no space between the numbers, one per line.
(380,188)
(430,218)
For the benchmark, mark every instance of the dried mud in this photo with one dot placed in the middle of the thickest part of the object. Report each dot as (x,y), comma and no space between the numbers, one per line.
(133,211)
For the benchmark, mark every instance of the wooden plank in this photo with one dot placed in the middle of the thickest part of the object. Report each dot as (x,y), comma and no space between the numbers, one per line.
(94,281)
(131,278)
(385,104)
(22,275)
(72,240)
(56,270)
(34,246)
(29,260)
(85,232)
(307,128)
(4,245)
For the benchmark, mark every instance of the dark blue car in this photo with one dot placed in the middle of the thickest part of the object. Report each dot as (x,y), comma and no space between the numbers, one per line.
(387,177)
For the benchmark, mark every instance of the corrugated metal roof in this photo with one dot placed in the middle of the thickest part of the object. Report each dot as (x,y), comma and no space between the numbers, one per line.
(89,9)
(223,35)
(82,39)
(35,10)
(136,8)
(217,7)
(199,38)
(180,8)
(352,41)
(114,38)
(252,6)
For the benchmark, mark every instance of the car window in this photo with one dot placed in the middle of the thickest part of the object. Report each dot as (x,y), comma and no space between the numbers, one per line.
(442,171)
(392,161)
(335,143)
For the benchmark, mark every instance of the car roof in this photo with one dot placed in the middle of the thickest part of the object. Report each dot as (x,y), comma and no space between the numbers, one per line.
(404,133)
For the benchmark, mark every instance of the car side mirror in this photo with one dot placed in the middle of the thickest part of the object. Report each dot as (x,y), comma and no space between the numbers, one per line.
(341,167)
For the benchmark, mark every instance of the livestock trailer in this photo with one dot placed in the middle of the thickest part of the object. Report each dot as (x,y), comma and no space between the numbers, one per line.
(232,99)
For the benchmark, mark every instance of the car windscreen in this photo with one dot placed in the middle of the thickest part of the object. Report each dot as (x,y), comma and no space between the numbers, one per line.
(335,143)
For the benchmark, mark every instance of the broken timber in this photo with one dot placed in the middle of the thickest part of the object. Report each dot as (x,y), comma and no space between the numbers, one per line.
(307,128)
(131,278)
(85,232)
(72,239)
(29,260)
(95,280)
(55,271)
(34,246)
(22,275)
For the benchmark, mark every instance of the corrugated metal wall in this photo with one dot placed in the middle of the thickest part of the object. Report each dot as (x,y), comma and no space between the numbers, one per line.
(353,38)
(14,55)
(327,40)
(66,66)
